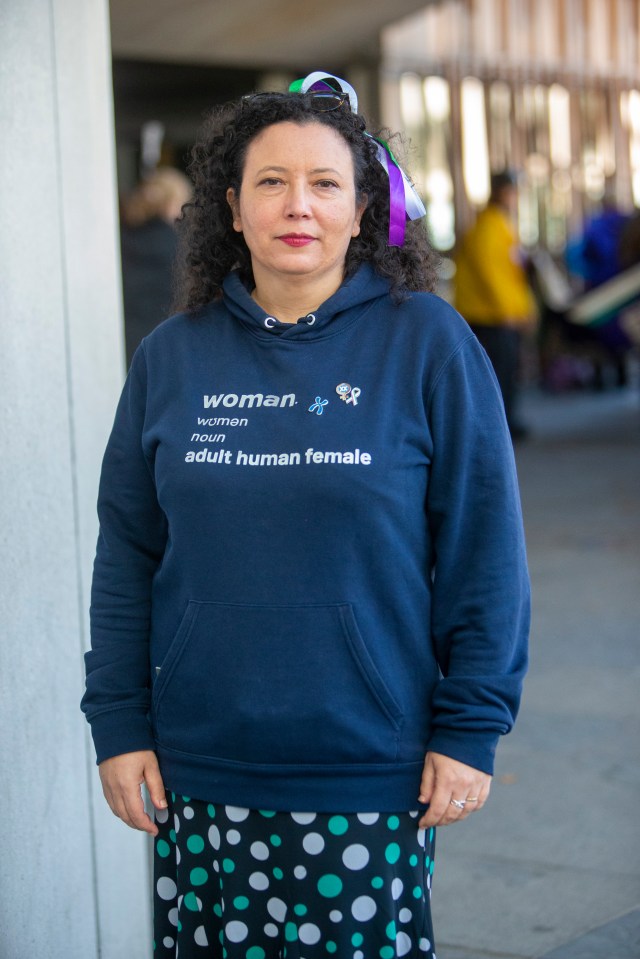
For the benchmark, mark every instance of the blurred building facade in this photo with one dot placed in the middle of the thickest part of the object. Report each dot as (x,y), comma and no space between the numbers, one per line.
(549,87)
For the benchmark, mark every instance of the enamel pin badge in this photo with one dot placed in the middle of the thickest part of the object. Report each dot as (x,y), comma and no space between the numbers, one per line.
(348,394)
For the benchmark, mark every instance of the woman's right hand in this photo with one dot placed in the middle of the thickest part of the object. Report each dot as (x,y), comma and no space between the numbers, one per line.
(122,776)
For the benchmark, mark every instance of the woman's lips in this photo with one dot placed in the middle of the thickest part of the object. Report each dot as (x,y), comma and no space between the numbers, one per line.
(296,239)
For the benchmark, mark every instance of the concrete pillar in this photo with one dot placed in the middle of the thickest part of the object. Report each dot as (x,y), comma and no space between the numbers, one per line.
(74,879)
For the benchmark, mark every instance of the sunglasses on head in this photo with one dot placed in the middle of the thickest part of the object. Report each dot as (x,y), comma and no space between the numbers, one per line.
(322,101)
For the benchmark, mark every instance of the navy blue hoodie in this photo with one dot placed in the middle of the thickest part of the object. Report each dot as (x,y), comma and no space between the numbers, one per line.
(311,566)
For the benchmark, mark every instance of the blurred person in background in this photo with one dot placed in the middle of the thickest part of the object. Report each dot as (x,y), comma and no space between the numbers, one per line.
(310,602)
(148,243)
(492,292)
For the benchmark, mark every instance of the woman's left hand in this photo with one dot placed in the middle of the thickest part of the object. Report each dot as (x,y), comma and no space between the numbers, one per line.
(452,789)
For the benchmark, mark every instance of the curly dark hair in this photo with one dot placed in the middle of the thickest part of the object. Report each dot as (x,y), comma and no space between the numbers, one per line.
(209,246)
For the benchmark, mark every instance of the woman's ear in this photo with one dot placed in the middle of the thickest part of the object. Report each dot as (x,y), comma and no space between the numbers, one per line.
(361,206)
(232,200)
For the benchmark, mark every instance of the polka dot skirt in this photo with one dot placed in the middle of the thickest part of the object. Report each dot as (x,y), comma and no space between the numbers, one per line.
(235,883)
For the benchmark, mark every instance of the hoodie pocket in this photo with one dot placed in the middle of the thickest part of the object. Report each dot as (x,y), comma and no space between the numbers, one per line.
(274,684)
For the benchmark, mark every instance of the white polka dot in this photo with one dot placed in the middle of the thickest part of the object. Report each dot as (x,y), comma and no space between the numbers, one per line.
(271,930)
(173,917)
(355,857)
(414,813)
(236,813)
(258,881)
(233,837)
(303,818)
(363,908)
(309,934)
(368,818)
(259,850)
(403,944)
(424,945)
(277,909)
(313,843)
(358,955)
(216,865)
(180,898)
(396,888)
(188,812)
(168,942)
(178,856)
(176,823)
(236,931)
(214,836)
(421,835)
(335,915)
(167,888)
(162,815)
(200,937)
(300,872)
(405,915)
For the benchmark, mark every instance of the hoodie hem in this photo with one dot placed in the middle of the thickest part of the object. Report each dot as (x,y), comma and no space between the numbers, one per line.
(376,787)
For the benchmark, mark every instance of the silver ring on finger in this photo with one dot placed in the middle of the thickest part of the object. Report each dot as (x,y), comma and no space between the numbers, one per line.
(458,803)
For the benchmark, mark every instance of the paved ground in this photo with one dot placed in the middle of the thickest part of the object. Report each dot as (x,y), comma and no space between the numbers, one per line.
(551,867)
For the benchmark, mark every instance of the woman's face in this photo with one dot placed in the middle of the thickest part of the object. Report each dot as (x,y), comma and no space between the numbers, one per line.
(297,206)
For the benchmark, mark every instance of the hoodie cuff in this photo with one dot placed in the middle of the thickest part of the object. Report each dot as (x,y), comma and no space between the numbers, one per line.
(121,731)
(473,749)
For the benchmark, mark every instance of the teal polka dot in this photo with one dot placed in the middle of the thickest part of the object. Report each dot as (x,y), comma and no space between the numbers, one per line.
(387,952)
(329,886)
(198,876)
(228,865)
(290,932)
(191,902)
(357,939)
(417,892)
(154,945)
(300,910)
(186,799)
(392,853)
(331,946)
(276,841)
(338,825)
(267,813)
(393,822)
(218,910)
(427,860)
(211,809)
(413,860)
(391,930)
(172,835)
(256,952)
(431,834)
(241,902)
(173,797)
(195,844)
(277,872)
(377,882)
(180,926)
(163,848)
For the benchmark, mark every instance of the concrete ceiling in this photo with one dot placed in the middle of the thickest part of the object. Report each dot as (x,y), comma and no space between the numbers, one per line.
(268,34)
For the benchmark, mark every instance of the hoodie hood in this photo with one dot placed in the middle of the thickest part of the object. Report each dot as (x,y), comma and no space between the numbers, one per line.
(346,305)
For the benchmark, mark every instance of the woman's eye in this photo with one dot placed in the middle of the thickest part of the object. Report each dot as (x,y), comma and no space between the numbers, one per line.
(326,184)
(270,181)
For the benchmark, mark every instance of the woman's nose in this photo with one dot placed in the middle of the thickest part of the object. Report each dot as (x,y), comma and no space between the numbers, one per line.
(298,201)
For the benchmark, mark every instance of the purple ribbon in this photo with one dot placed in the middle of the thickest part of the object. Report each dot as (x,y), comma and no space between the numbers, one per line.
(397,211)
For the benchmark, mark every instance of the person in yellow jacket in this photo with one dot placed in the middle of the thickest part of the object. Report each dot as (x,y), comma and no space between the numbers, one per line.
(491,290)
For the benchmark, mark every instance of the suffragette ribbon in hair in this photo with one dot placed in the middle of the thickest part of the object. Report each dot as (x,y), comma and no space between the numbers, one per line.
(404,202)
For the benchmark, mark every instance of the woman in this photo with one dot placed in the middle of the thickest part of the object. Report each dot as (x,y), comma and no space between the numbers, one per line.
(148,242)
(310,599)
